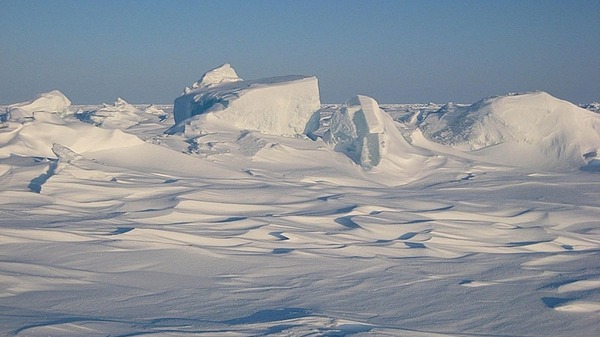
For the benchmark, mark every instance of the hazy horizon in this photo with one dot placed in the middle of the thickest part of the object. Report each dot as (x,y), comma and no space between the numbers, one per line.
(394,51)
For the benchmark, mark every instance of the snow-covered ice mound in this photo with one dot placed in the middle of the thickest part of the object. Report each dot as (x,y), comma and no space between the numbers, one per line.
(120,115)
(279,105)
(533,130)
(53,101)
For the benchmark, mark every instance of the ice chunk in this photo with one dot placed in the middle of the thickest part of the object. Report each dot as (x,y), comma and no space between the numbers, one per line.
(371,138)
(53,101)
(64,153)
(357,130)
(279,105)
(154,110)
(217,76)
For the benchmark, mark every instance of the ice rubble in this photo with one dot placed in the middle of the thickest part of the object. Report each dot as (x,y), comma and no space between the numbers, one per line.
(53,101)
(534,130)
(594,106)
(120,115)
(279,105)
(289,106)
(154,110)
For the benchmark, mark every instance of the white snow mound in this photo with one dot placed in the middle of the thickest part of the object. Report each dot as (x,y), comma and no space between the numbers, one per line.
(279,105)
(534,130)
(53,101)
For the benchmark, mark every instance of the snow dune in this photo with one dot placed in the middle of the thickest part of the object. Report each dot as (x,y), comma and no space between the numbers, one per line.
(413,221)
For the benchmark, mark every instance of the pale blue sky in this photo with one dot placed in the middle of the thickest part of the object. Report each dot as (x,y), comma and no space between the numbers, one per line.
(395,51)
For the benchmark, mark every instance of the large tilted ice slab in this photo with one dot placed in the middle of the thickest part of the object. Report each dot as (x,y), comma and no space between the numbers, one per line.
(533,130)
(279,105)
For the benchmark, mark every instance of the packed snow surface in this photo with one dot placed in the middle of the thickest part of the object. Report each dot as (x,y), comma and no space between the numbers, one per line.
(279,105)
(386,221)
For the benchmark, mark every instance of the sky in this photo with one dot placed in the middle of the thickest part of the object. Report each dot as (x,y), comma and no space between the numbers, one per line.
(397,51)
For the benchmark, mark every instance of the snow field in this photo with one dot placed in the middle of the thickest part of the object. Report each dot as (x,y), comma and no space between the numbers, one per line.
(114,228)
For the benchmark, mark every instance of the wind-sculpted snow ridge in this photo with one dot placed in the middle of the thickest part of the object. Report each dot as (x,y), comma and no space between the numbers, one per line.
(532,130)
(221,100)
(53,101)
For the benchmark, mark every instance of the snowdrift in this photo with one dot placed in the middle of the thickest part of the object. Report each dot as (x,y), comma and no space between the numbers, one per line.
(53,101)
(37,138)
(279,105)
(533,130)
(36,126)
